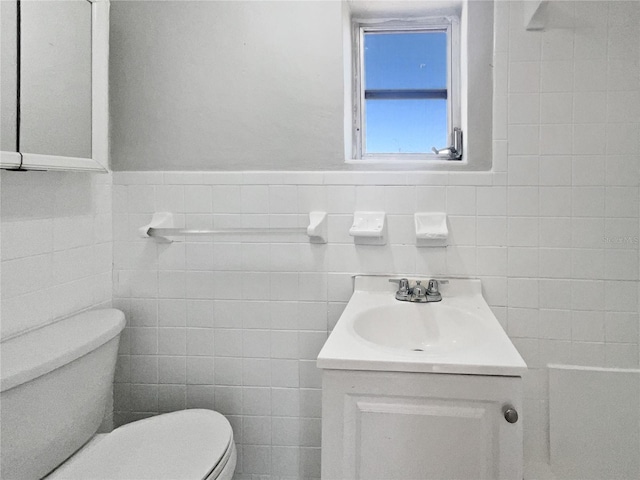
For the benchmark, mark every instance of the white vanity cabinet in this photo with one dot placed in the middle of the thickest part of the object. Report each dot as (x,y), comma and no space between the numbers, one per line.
(420,391)
(410,426)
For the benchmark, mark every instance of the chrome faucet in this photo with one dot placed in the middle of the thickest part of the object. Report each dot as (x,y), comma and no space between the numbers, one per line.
(419,293)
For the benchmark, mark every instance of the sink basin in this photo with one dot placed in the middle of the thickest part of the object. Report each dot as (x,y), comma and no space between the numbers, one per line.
(458,335)
(410,327)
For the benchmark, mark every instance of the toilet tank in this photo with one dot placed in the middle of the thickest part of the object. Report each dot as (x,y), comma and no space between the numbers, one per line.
(55,383)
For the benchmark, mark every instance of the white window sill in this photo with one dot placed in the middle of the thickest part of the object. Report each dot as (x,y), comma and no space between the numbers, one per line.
(404,160)
(422,163)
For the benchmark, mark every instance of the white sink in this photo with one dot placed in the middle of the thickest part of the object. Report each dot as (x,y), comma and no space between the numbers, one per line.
(410,327)
(460,334)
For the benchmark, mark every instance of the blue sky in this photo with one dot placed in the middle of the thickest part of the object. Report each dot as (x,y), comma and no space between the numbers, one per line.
(405,61)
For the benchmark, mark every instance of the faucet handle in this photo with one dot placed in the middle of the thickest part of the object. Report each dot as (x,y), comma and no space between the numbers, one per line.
(404,292)
(434,286)
(403,283)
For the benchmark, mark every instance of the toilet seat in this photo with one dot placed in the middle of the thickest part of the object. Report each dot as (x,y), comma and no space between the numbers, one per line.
(189,445)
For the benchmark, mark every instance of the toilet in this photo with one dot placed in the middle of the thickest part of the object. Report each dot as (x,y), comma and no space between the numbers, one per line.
(55,383)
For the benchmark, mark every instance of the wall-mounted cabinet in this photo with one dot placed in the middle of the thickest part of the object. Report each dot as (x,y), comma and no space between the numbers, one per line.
(54,87)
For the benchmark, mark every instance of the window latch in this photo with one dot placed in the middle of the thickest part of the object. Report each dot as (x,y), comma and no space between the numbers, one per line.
(454,151)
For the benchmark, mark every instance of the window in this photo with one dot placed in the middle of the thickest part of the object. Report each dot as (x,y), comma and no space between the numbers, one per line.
(407,90)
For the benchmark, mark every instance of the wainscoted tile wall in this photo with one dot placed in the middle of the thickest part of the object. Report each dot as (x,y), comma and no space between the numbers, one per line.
(235,324)
(56,246)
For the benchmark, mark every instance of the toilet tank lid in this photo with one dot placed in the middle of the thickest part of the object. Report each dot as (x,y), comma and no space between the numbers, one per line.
(38,352)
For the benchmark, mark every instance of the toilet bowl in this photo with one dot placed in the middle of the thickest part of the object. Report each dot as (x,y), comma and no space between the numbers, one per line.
(190,444)
(55,383)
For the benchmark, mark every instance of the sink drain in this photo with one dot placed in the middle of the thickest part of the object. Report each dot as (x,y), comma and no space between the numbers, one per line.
(417,350)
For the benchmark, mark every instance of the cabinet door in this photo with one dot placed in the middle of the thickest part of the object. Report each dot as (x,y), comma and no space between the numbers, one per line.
(55,79)
(420,426)
(54,95)
(9,156)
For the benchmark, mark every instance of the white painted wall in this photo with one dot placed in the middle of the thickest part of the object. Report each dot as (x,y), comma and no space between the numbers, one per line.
(226,85)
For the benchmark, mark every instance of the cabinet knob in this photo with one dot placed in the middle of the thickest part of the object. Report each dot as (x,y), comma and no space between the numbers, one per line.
(510,414)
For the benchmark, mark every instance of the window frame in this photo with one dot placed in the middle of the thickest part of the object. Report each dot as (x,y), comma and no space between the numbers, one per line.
(450,24)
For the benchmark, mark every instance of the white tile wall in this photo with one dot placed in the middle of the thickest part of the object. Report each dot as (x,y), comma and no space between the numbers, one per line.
(56,246)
